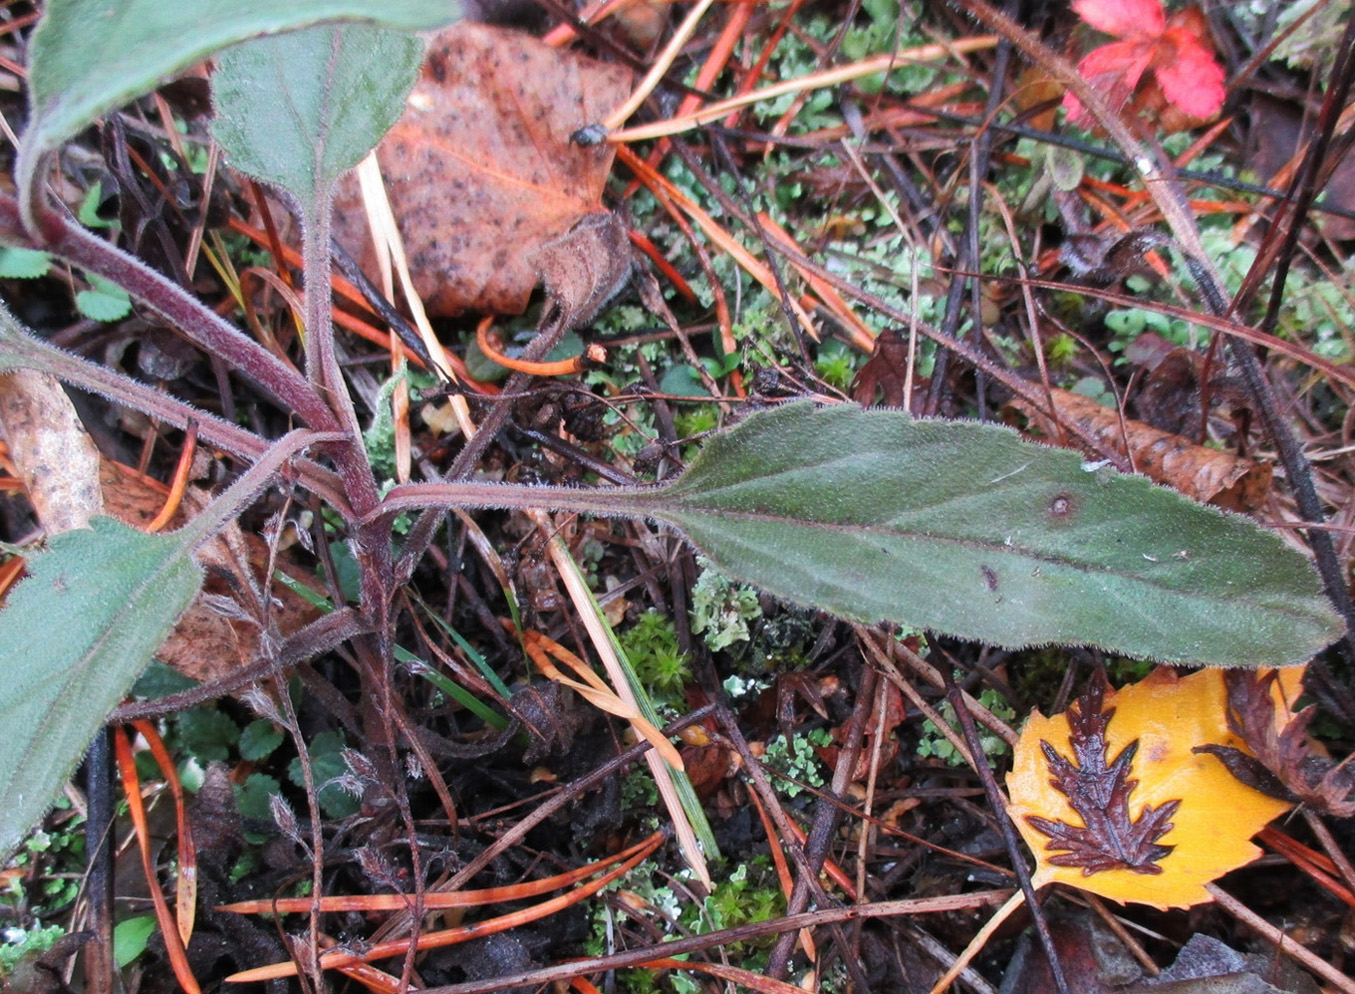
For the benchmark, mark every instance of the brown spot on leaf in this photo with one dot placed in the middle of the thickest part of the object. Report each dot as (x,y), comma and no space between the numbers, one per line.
(989,577)
(1061,506)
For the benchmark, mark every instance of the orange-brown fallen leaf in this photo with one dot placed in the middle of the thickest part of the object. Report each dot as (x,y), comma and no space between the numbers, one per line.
(485,179)
(1199,472)
(1112,797)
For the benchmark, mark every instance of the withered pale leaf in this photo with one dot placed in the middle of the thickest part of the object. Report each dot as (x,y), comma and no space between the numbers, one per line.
(55,457)
(1211,828)
(482,173)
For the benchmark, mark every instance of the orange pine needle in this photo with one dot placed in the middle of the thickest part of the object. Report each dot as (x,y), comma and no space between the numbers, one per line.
(593,355)
(669,271)
(1317,865)
(354,296)
(176,490)
(563,34)
(433,900)
(595,690)
(835,872)
(186,886)
(10,571)
(375,980)
(862,337)
(449,937)
(656,181)
(782,869)
(169,931)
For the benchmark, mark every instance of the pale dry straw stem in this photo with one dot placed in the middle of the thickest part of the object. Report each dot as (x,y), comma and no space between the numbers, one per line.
(660,68)
(977,943)
(587,608)
(813,81)
(1128,941)
(868,830)
(985,717)
(386,235)
(891,671)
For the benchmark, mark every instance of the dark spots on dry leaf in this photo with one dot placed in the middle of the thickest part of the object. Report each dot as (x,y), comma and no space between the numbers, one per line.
(1108,838)
(989,577)
(437,66)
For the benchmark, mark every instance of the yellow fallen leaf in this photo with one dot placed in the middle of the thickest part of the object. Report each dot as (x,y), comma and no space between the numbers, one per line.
(1160,824)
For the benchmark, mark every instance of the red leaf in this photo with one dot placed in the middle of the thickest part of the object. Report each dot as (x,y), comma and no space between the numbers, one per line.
(1115,70)
(1185,75)
(1123,18)
(1188,74)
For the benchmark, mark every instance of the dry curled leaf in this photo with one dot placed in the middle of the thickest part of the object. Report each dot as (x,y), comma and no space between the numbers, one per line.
(881,379)
(1137,814)
(491,193)
(1201,473)
(1281,760)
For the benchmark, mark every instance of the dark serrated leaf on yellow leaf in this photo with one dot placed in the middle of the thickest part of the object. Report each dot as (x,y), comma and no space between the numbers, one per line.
(1112,797)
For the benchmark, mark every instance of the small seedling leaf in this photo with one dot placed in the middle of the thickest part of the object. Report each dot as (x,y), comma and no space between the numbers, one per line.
(23,263)
(76,634)
(103,301)
(967,530)
(259,739)
(91,56)
(300,109)
(130,938)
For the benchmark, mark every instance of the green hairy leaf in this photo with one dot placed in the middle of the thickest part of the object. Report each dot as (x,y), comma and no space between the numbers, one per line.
(95,607)
(967,530)
(300,109)
(91,56)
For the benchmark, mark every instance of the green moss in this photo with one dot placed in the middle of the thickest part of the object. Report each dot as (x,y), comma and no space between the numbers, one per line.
(651,645)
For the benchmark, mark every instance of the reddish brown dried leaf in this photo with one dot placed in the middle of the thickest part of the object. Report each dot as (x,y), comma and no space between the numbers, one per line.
(1199,472)
(1286,764)
(881,378)
(483,176)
